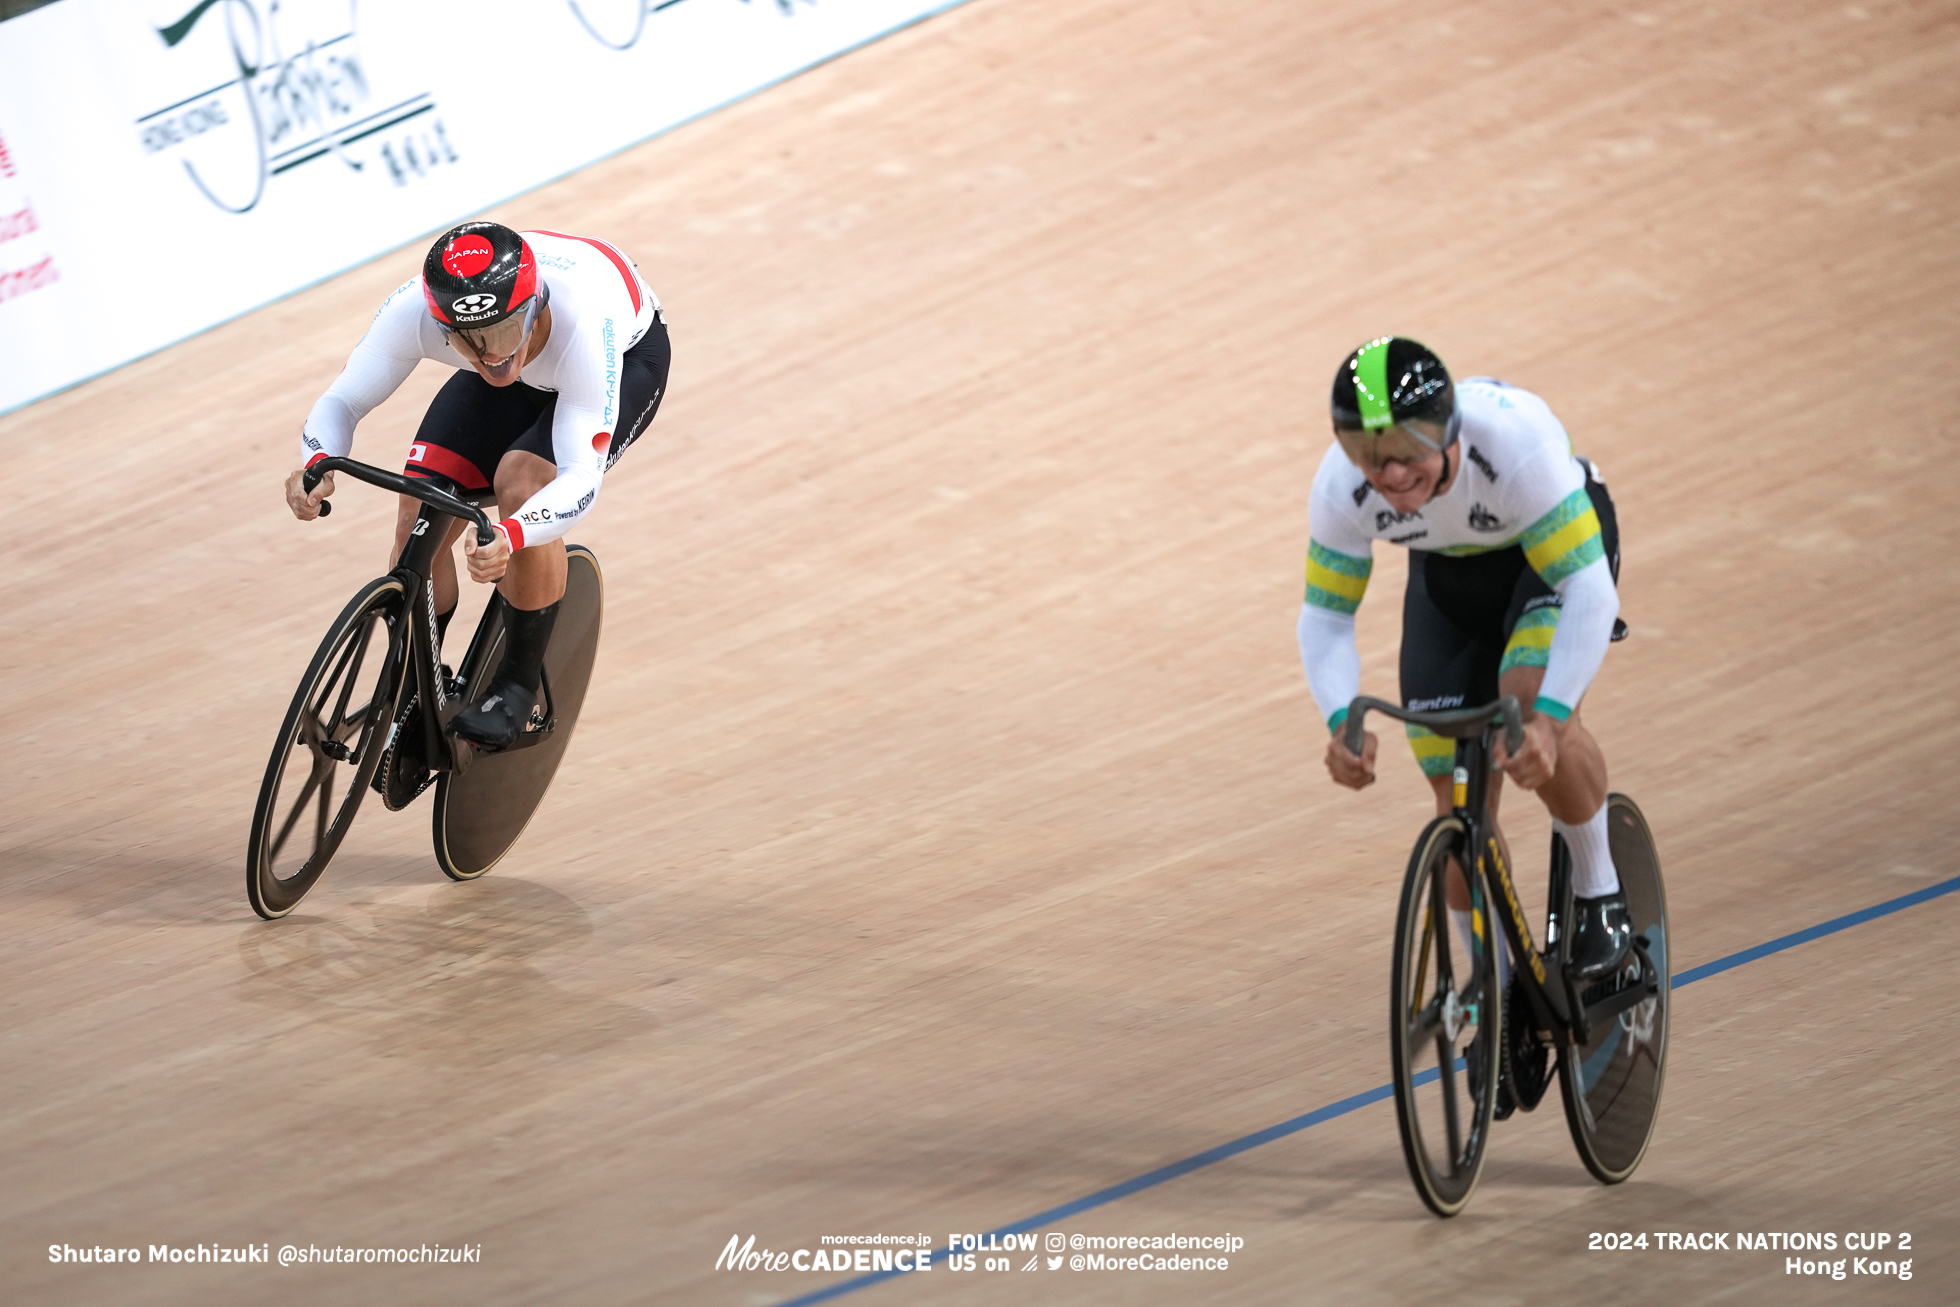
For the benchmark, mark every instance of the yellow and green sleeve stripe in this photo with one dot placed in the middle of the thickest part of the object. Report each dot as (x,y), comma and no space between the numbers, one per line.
(1530,644)
(1564,540)
(1336,582)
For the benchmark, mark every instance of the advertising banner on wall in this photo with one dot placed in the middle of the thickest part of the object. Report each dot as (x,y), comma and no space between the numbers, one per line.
(168,164)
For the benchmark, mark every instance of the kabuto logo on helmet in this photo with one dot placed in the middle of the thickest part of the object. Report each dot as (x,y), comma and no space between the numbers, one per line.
(472,305)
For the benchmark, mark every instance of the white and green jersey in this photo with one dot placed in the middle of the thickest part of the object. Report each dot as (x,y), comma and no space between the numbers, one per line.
(1517,483)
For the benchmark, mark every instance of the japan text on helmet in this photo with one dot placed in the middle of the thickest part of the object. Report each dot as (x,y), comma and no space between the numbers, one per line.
(1393,402)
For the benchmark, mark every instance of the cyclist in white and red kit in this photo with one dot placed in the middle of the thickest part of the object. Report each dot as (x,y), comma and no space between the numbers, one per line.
(562,359)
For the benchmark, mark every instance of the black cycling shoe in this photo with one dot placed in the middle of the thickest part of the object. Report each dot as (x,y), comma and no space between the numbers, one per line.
(1602,931)
(495,720)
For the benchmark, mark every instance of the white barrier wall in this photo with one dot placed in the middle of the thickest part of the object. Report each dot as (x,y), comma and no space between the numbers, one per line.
(168,164)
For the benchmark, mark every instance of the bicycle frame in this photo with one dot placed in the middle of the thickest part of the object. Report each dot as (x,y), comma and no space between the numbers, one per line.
(415,569)
(1556,1002)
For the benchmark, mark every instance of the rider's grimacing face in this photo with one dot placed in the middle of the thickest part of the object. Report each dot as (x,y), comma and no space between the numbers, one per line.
(498,371)
(1407,486)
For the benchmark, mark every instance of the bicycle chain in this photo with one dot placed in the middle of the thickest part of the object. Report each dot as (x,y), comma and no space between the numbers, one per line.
(385,772)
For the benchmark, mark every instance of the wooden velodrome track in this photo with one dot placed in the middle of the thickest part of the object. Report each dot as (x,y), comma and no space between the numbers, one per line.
(945,838)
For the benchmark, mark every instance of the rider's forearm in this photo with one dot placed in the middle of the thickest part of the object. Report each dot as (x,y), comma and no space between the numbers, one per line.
(551,512)
(329,430)
(1330,659)
(1588,603)
(581,433)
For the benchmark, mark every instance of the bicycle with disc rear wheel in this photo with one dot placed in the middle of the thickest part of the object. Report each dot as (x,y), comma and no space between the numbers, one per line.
(1456,1045)
(375,702)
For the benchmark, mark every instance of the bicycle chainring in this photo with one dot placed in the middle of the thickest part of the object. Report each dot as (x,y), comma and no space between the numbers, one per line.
(1529,1056)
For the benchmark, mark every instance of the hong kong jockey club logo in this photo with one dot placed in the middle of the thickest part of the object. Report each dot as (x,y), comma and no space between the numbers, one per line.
(619,24)
(286,87)
(472,305)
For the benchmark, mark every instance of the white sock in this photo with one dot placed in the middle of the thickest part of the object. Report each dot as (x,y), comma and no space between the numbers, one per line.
(1593,875)
(1464,933)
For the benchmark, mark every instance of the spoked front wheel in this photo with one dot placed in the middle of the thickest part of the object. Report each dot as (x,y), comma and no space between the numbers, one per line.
(1444,1024)
(328,747)
(1612,1083)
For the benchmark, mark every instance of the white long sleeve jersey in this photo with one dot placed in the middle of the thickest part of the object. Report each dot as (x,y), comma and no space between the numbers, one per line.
(1518,484)
(600,307)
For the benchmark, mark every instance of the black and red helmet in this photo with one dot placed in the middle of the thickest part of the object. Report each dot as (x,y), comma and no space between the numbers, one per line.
(478,274)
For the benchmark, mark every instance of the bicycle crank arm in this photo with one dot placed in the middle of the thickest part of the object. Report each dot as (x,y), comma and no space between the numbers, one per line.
(537,728)
(1578,1017)
(1650,975)
(1617,1002)
(1631,995)
(534,733)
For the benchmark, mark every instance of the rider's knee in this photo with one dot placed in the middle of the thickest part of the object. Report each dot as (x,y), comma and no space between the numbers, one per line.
(519,476)
(406,511)
(1444,794)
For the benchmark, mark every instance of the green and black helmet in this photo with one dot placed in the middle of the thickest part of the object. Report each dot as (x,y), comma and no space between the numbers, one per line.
(1393,402)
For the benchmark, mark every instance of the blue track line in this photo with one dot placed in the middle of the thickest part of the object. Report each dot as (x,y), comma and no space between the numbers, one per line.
(1151,1179)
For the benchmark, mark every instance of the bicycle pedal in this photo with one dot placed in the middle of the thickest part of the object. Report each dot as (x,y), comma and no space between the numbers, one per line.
(336,750)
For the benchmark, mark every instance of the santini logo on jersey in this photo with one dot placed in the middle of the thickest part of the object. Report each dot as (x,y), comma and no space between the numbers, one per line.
(474,304)
(1388,517)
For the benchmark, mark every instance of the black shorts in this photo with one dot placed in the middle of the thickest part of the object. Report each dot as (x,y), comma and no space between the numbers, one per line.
(1469,618)
(471,424)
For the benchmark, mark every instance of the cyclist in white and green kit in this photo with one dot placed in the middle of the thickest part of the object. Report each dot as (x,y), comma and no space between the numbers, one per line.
(1513,564)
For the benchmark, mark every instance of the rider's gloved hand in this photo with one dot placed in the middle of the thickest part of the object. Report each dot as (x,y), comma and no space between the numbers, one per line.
(487,562)
(306,507)
(1534,764)
(1354,771)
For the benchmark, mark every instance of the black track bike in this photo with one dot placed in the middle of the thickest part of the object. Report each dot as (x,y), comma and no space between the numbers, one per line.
(377,698)
(1448,1028)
